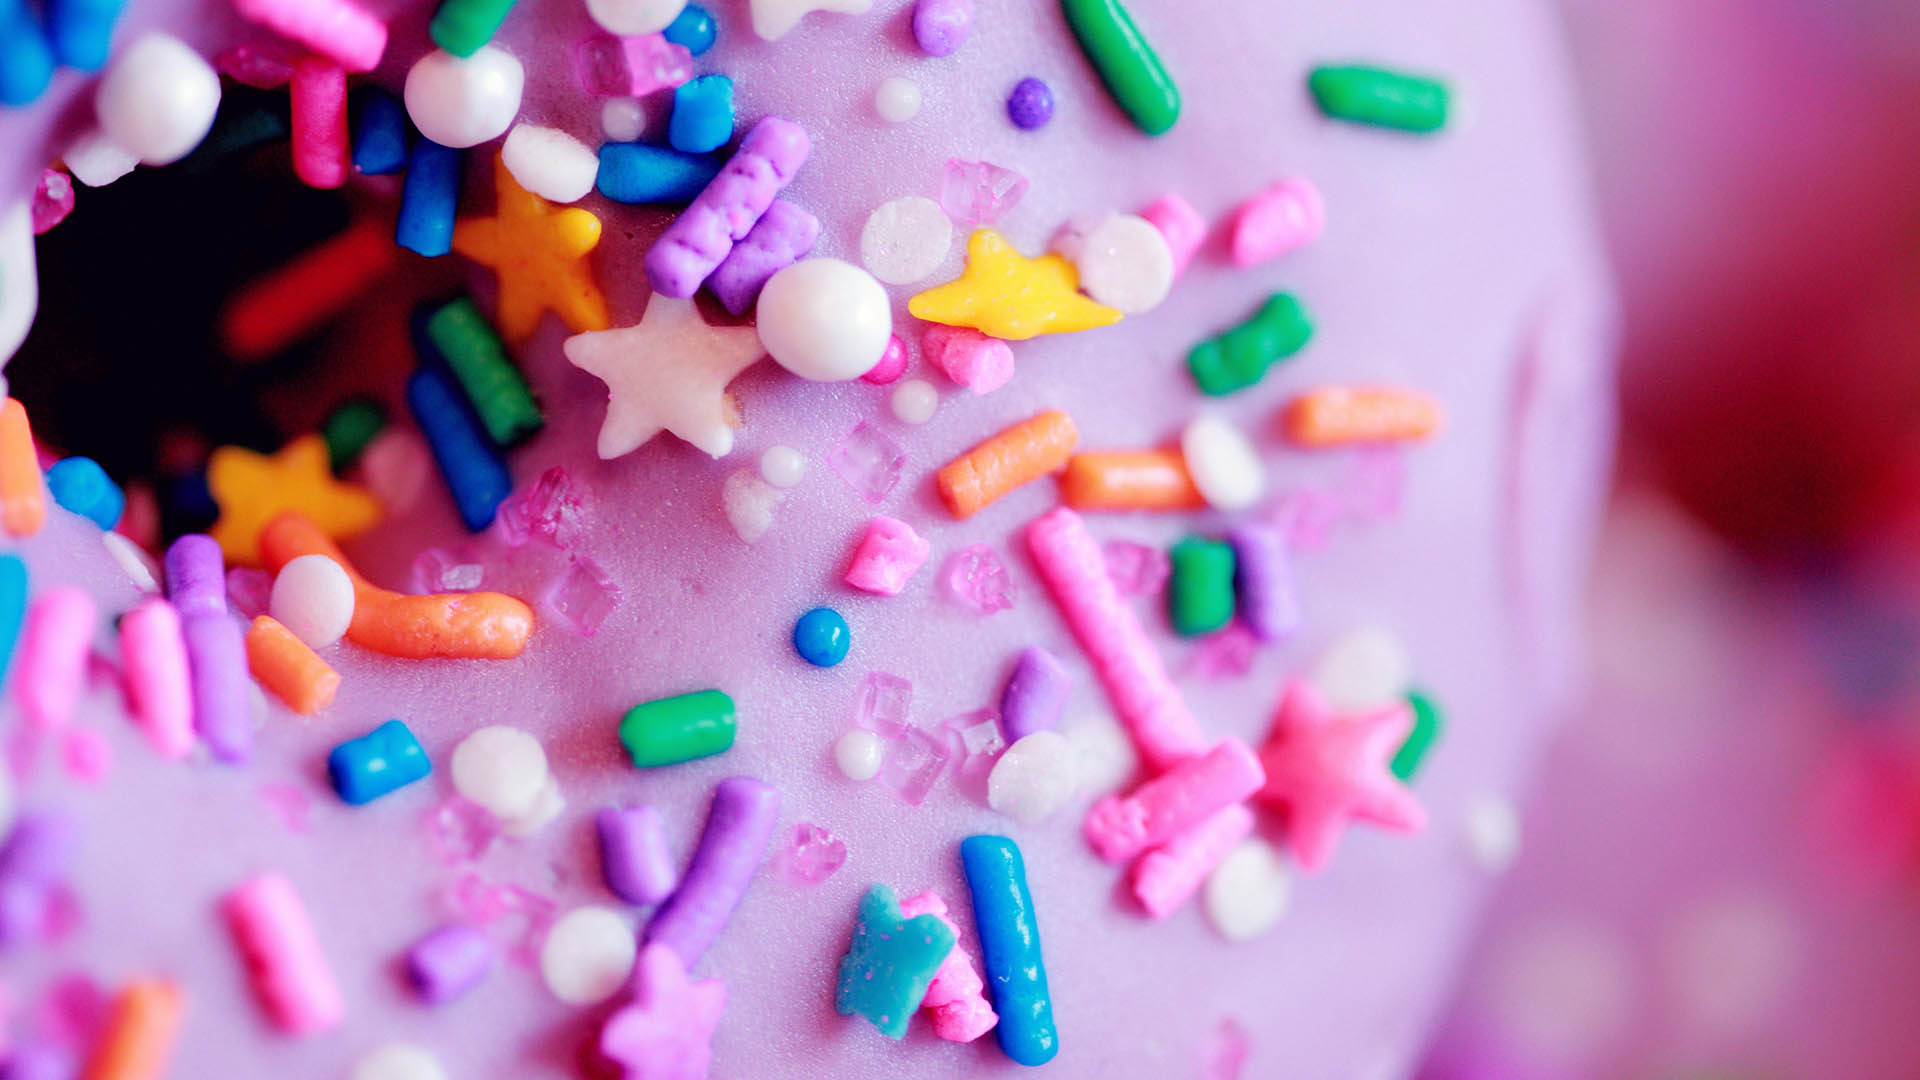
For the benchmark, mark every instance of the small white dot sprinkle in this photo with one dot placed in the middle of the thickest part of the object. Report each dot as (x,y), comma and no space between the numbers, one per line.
(1033,778)
(897,100)
(502,769)
(588,955)
(1103,756)
(914,401)
(783,466)
(399,1061)
(1492,833)
(858,754)
(1363,669)
(622,119)
(1246,895)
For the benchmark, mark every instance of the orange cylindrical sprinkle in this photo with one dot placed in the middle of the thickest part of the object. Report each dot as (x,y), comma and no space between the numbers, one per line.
(480,625)
(23,489)
(1345,415)
(1130,480)
(1018,455)
(285,305)
(139,1039)
(289,667)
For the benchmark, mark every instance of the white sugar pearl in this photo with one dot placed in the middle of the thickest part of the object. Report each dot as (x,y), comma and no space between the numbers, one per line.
(1033,777)
(399,1061)
(546,806)
(550,163)
(1225,467)
(157,98)
(749,503)
(588,955)
(1363,669)
(622,119)
(905,239)
(138,564)
(858,753)
(914,401)
(1123,261)
(897,100)
(96,160)
(461,103)
(824,320)
(503,769)
(1103,757)
(783,466)
(313,597)
(1492,830)
(1246,894)
(628,17)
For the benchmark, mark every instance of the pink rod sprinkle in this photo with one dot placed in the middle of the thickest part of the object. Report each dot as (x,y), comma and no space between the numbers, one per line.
(1176,800)
(1150,706)
(338,29)
(1165,877)
(319,99)
(1181,224)
(154,651)
(1280,218)
(288,970)
(53,656)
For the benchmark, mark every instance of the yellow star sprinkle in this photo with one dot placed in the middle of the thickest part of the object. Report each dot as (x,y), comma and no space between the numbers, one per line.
(540,255)
(1004,294)
(252,489)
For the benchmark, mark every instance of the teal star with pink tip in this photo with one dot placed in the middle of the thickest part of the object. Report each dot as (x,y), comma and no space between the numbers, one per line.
(886,971)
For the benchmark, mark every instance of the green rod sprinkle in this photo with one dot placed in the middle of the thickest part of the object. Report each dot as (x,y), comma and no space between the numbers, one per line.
(1200,590)
(1389,99)
(1134,75)
(495,387)
(1241,356)
(462,26)
(671,730)
(1426,731)
(348,431)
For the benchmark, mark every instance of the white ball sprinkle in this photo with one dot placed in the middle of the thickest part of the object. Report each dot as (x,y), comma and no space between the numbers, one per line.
(502,769)
(634,17)
(622,119)
(825,320)
(1033,777)
(914,401)
(905,239)
(1363,669)
(399,1061)
(1225,467)
(897,100)
(1246,895)
(858,753)
(783,466)
(157,98)
(313,598)
(588,955)
(96,160)
(550,163)
(1492,828)
(464,102)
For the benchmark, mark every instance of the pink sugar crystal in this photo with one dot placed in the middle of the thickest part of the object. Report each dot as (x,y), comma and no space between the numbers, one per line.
(630,66)
(1376,483)
(1223,1056)
(249,590)
(914,763)
(584,596)
(52,200)
(460,831)
(978,736)
(87,755)
(474,900)
(263,66)
(551,510)
(979,192)
(978,579)
(290,802)
(1136,569)
(438,570)
(811,855)
(869,461)
(1307,518)
(882,705)
(1225,655)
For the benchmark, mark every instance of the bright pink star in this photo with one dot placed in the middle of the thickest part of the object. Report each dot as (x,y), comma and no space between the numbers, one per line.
(1324,771)
(665,1032)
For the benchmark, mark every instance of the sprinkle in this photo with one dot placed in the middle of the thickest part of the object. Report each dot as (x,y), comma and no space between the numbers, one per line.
(630,66)
(1241,356)
(731,846)
(52,200)
(140,1035)
(462,26)
(887,557)
(80,485)
(749,502)
(584,596)
(81,31)
(54,647)
(1136,569)
(1155,714)
(1163,878)
(883,703)
(782,236)
(1180,225)
(1035,695)
(1492,828)
(956,999)
(634,17)
(634,859)
(286,304)
(1178,799)
(464,102)
(979,192)
(812,855)
(1326,770)
(1200,600)
(26,55)
(348,430)
(1362,669)
(772,19)
(153,652)
(858,754)
(633,172)
(977,578)
(1246,895)
(157,99)
(319,95)
(940,27)
(914,401)
(313,599)
(1335,416)
(892,365)
(622,120)
(289,668)
(897,99)
(968,357)
(549,163)
(1009,296)
(428,199)
(821,637)
(475,473)
(449,962)
(669,372)
(905,239)
(1016,975)
(399,1061)
(588,955)
(283,958)
(670,730)
(702,119)
(470,625)
(1125,62)
(1129,480)
(262,65)
(378,763)
(458,335)
(339,29)
(1016,456)
(1283,217)
(694,29)
(96,160)
(696,242)
(667,1030)
(1030,105)
(869,461)
(251,489)
(13,608)
(886,970)
(1264,592)
(501,769)
(23,494)
(1223,463)
(1033,778)
(1383,98)
(1124,262)
(783,466)
(216,647)
(539,254)
(824,320)
(1427,727)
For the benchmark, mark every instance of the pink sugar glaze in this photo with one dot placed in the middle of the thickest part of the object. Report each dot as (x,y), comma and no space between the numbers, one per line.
(1450,246)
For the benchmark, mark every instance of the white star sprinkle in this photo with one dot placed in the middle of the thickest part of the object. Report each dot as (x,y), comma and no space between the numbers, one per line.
(667,373)
(773,18)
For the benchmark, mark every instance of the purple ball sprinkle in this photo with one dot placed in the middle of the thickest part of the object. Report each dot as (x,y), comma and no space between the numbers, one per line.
(1035,695)
(940,27)
(739,823)
(633,854)
(449,962)
(1030,105)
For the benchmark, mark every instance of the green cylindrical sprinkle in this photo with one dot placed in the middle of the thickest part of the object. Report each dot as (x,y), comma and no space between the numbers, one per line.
(1389,99)
(1134,75)
(1200,590)
(1240,357)
(670,730)
(462,26)
(348,431)
(1426,730)
(479,360)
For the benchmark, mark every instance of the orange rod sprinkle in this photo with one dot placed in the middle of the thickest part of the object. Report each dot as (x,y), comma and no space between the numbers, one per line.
(23,489)
(289,667)
(139,1039)
(1130,480)
(287,304)
(1018,455)
(1346,415)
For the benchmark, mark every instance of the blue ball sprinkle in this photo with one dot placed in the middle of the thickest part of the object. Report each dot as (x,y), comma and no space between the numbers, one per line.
(1030,105)
(79,484)
(821,637)
(693,28)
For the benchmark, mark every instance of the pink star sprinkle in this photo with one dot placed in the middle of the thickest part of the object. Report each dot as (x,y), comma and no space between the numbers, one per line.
(1324,771)
(663,1034)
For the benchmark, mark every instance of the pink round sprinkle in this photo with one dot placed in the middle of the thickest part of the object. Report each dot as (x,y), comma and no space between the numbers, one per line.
(1283,217)
(52,200)
(892,365)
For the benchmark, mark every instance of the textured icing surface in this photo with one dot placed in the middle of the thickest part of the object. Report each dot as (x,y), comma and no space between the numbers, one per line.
(1463,265)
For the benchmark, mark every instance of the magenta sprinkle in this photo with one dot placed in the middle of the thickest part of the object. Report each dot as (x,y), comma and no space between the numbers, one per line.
(721,215)
(892,365)
(739,823)
(940,27)
(52,200)
(610,66)
(449,962)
